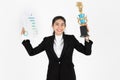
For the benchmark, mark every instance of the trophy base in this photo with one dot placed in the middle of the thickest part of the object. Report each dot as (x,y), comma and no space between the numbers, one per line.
(84,36)
(84,31)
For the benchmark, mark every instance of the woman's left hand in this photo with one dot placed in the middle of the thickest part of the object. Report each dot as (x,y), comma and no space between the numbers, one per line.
(87,38)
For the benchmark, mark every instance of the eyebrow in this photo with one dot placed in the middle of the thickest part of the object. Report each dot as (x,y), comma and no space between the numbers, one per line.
(61,23)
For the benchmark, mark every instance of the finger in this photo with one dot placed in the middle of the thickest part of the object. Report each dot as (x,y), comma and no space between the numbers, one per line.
(87,28)
(22,31)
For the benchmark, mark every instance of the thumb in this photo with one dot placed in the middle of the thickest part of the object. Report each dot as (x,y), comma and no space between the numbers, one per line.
(22,31)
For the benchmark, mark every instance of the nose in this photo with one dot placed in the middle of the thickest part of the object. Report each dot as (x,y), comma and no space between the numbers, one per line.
(60,27)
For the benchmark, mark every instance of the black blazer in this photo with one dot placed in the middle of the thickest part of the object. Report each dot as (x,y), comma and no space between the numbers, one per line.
(59,68)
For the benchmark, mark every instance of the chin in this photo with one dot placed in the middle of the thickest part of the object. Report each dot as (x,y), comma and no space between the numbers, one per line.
(59,33)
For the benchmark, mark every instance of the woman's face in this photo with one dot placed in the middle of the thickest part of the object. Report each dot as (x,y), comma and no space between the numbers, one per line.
(59,26)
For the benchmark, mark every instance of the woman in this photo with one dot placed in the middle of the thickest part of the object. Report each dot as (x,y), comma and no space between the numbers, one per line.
(59,49)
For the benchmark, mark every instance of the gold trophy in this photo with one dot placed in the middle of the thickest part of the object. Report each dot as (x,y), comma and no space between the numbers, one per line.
(82,20)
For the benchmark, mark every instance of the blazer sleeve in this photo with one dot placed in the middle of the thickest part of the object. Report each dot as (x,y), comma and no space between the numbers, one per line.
(85,49)
(33,51)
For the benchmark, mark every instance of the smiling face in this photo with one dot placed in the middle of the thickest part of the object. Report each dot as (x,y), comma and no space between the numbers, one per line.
(59,26)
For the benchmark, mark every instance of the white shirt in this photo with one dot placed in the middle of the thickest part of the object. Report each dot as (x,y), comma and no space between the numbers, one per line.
(58,45)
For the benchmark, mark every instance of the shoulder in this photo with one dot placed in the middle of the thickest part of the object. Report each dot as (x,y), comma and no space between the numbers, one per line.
(47,38)
(69,36)
(65,35)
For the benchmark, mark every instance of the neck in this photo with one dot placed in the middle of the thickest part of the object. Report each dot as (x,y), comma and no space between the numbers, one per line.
(58,37)
(58,34)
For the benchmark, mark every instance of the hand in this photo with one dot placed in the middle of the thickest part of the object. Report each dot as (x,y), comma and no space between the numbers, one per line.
(22,31)
(87,38)
(24,34)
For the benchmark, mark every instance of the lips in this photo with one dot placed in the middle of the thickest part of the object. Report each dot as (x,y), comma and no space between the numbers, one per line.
(59,30)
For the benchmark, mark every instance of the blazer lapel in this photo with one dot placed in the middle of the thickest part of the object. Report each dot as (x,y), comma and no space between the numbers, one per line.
(64,47)
(52,49)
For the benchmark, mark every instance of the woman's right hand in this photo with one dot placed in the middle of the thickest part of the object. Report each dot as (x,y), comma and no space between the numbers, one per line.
(24,35)
(23,31)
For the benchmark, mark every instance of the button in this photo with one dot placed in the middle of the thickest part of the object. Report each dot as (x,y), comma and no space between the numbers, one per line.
(59,62)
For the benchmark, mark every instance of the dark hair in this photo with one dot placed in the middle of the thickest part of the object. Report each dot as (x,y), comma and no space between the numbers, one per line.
(58,17)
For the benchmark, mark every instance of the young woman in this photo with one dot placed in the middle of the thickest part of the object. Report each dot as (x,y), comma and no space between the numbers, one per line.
(59,49)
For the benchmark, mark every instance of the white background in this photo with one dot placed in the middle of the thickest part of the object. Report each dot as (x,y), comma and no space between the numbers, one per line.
(103,16)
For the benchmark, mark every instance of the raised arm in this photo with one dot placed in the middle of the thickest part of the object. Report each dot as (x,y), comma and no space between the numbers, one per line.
(85,49)
(33,51)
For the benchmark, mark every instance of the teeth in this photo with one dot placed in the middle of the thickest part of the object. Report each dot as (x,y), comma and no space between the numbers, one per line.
(59,30)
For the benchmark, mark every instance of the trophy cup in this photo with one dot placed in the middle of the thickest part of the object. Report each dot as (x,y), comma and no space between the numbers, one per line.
(82,20)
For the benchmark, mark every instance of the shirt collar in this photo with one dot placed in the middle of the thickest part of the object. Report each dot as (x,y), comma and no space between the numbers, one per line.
(58,37)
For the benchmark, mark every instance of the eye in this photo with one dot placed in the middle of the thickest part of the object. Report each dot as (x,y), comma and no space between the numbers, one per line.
(56,24)
(62,24)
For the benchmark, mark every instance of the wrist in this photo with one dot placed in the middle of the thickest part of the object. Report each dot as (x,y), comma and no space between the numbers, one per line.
(87,38)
